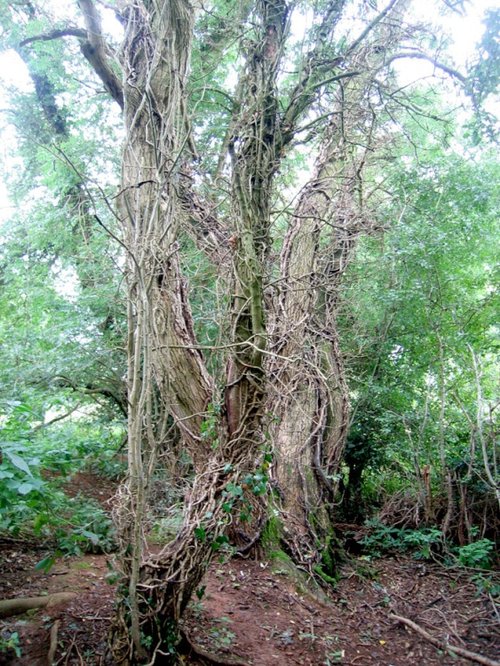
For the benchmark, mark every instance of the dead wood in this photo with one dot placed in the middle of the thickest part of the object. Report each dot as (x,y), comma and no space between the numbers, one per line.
(10,607)
(443,645)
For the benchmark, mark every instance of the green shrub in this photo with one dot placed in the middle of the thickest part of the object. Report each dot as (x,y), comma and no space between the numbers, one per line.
(423,543)
(478,554)
(383,539)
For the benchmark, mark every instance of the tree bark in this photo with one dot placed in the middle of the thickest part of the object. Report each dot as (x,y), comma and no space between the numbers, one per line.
(166,372)
(310,398)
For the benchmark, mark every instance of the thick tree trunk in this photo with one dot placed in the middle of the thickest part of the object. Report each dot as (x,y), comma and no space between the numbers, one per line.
(284,359)
(310,397)
(166,371)
(166,374)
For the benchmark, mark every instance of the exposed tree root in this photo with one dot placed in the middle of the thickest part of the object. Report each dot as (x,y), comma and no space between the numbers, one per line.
(54,630)
(473,656)
(10,607)
(244,550)
(208,657)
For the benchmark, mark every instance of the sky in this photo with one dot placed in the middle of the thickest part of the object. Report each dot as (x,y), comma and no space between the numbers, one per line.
(464,31)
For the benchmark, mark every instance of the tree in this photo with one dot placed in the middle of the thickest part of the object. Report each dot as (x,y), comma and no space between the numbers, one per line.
(209,160)
(424,305)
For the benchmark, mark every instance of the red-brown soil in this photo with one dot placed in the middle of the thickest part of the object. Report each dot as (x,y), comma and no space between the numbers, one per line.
(258,616)
(260,613)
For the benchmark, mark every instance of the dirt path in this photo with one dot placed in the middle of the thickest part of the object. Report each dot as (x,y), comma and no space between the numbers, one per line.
(258,612)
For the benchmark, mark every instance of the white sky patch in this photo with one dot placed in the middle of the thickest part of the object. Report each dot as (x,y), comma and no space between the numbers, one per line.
(6,207)
(463,33)
(14,73)
(65,282)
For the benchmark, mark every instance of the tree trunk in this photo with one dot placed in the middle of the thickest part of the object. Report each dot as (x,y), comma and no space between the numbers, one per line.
(166,371)
(294,351)
(166,374)
(310,398)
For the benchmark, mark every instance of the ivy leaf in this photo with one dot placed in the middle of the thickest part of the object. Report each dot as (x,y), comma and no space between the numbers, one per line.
(200,534)
(234,490)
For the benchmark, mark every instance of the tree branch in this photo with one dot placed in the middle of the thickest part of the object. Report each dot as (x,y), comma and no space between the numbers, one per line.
(423,56)
(371,26)
(61,417)
(92,46)
(95,52)
(303,93)
(119,400)
(55,34)
(443,645)
(210,236)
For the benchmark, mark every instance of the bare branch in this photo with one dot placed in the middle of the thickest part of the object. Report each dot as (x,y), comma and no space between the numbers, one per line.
(92,46)
(444,645)
(119,400)
(303,94)
(336,77)
(61,417)
(209,234)
(371,26)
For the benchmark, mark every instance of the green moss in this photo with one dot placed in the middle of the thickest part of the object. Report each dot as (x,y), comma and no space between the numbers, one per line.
(271,534)
(281,564)
(364,569)
(318,569)
(81,564)
(331,555)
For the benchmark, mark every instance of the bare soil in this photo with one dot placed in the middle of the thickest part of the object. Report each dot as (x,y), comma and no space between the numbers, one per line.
(261,613)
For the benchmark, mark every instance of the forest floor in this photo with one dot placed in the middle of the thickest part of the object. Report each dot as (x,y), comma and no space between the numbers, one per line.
(260,613)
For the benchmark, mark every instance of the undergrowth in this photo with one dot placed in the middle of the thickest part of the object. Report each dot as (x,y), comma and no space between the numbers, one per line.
(35,466)
(426,543)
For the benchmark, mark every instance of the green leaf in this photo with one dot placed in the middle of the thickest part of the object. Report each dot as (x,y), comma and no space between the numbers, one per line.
(25,488)
(200,534)
(234,490)
(47,563)
(6,475)
(18,462)
(200,592)
(91,536)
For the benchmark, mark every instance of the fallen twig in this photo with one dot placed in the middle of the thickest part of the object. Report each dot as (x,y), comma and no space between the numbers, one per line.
(462,652)
(70,650)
